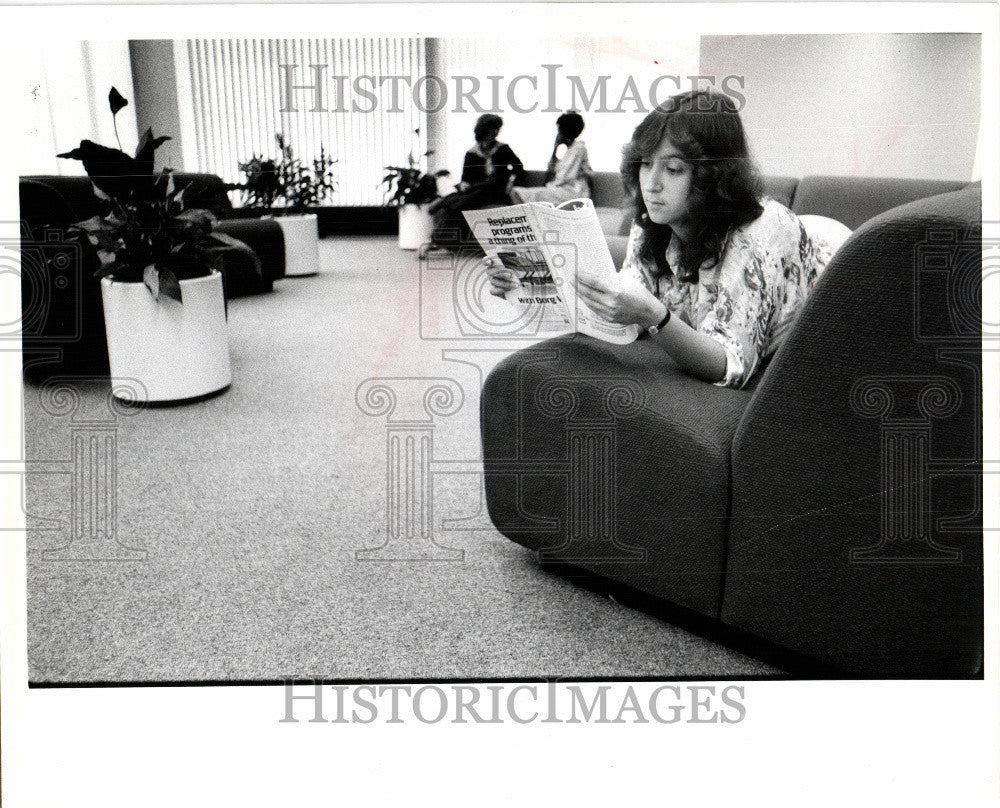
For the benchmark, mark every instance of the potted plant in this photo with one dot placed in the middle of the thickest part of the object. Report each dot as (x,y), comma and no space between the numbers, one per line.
(288,187)
(161,289)
(412,190)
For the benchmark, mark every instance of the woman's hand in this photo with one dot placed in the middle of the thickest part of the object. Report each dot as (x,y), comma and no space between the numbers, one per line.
(502,280)
(630,303)
(624,304)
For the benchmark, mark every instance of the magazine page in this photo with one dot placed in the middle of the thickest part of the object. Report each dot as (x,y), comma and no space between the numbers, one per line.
(575,245)
(510,235)
(547,246)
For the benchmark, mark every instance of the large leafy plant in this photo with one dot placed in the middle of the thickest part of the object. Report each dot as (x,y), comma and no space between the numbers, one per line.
(289,181)
(410,184)
(148,235)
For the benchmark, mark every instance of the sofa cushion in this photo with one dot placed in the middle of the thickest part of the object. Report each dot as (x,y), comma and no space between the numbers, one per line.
(855,200)
(582,438)
(62,326)
(59,201)
(781,189)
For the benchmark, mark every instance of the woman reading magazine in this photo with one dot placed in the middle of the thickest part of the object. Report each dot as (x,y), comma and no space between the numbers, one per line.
(714,273)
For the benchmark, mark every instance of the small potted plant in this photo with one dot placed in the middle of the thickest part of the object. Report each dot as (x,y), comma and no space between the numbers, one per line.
(288,188)
(412,190)
(161,288)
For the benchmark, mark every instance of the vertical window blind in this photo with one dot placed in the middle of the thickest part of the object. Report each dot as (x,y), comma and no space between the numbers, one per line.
(239,101)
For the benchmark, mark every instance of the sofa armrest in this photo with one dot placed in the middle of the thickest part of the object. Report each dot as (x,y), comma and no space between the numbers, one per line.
(857,511)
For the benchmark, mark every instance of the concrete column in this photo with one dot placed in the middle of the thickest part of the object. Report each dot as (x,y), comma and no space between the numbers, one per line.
(437,122)
(154,83)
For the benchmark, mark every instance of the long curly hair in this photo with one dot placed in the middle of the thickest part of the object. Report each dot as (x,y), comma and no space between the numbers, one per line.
(705,128)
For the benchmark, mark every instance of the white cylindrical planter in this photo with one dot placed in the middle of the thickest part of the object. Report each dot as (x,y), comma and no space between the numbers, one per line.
(175,350)
(301,234)
(415,226)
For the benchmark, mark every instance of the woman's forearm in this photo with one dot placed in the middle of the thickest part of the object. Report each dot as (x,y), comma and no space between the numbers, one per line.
(696,353)
(631,302)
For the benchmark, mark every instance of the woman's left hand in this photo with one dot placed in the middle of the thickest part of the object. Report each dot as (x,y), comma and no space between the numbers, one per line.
(623,304)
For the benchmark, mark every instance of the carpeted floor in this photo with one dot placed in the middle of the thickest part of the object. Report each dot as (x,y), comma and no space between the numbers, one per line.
(251,508)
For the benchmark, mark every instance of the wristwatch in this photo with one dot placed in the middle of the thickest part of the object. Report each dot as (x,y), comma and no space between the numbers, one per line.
(653,330)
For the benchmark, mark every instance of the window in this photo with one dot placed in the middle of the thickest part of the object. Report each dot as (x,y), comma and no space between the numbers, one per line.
(235,99)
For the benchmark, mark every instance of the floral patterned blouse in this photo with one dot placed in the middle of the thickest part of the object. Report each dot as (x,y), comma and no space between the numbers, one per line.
(749,299)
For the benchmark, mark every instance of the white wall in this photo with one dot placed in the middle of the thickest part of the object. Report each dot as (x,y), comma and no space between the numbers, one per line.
(531,134)
(65,89)
(881,105)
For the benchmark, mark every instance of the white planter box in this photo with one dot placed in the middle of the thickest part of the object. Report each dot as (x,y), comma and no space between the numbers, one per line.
(301,233)
(174,350)
(415,226)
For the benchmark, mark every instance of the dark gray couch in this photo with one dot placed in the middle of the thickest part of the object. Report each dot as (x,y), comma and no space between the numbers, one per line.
(834,508)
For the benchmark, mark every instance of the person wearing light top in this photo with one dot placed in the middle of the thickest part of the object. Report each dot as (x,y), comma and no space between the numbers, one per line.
(714,273)
(568,174)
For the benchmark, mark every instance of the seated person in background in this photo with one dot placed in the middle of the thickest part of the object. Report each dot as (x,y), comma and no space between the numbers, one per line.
(715,272)
(490,165)
(568,174)
(490,169)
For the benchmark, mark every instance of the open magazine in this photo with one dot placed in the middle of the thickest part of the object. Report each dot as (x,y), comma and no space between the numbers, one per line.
(548,248)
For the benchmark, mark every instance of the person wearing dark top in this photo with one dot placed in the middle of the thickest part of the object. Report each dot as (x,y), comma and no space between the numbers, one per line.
(488,172)
(490,162)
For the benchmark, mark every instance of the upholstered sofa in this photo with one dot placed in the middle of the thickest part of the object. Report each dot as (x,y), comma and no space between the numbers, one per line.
(65,332)
(833,509)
